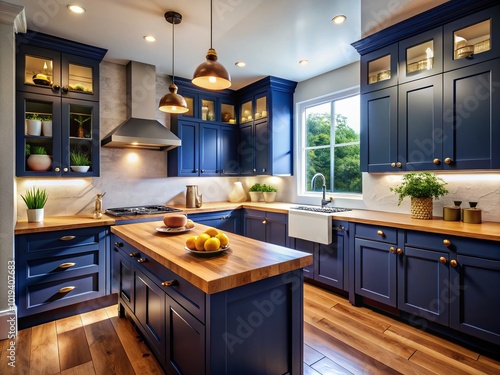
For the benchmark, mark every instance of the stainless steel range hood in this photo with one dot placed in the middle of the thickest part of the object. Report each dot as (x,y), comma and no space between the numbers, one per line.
(141,130)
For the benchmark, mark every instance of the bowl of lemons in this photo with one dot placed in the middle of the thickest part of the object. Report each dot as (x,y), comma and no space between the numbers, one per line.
(210,242)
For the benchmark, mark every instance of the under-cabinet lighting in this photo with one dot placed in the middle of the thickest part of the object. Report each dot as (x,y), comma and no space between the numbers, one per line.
(76,8)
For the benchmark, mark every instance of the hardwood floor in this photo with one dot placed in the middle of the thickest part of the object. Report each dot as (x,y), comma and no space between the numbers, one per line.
(338,339)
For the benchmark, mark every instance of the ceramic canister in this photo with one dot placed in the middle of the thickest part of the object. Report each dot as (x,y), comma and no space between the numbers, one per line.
(451,213)
(472,215)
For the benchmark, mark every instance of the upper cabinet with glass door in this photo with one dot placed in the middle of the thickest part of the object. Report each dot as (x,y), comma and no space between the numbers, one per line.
(379,69)
(471,40)
(45,70)
(421,56)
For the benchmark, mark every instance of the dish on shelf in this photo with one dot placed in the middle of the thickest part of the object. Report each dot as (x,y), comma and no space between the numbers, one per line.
(41,79)
(165,229)
(206,253)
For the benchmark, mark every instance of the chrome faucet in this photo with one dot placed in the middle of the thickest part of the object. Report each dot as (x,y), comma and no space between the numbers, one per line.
(324,201)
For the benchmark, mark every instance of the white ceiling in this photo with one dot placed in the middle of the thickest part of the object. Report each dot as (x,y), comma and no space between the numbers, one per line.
(271,36)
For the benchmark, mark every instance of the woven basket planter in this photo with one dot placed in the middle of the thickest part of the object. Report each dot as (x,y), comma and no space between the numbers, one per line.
(421,208)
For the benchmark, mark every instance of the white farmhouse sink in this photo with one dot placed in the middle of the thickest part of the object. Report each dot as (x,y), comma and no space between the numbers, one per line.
(312,223)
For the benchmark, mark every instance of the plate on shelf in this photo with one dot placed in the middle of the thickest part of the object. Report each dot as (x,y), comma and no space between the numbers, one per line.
(165,229)
(206,253)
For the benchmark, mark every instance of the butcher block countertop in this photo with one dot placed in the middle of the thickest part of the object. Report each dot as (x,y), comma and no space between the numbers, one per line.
(486,230)
(245,261)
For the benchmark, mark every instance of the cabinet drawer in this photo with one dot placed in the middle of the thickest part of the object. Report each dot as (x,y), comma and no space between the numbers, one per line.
(190,297)
(47,296)
(63,239)
(428,241)
(376,233)
(60,265)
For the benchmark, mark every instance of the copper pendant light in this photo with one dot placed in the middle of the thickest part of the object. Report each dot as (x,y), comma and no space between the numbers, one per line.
(211,74)
(173,102)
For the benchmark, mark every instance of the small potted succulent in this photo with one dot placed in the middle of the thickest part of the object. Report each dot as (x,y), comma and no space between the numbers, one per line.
(35,200)
(255,192)
(79,162)
(269,193)
(422,187)
(37,158)
(47,126)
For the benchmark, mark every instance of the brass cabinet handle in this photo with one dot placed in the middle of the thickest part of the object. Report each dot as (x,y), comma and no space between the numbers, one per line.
(380,233)
(66,289)
(170,283)
(264,221)
(399,251)
(442,260)
(134,255)
(436,161)
(399,164)
(65,169)
(255,170)
(447,160)
(393,249)
(67,238)
(57,169)
(142,260)
(453,263)
(118,244)
(393,165)
(446,243)
(66,265)
(202,171)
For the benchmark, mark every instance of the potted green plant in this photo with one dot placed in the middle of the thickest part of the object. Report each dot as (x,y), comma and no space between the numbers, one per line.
(37,158)
(269,193)
(422,187)
(47,126)
(33,124)
(35,200)
(255,192)
(79,162)
(81,120)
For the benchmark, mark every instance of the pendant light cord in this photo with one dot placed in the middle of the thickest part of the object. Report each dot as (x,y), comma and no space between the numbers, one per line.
(211,21)
(173,50)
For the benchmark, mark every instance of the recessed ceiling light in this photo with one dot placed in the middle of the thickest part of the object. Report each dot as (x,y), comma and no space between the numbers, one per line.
(76,8)
(304,62)
(337,20)
(149,38)
(241,64)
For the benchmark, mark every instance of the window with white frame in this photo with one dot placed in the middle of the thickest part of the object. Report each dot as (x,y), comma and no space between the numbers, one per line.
(329,143)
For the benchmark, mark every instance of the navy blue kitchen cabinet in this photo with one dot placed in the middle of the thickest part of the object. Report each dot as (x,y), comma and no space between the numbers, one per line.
(57,80)
(123,277)
(307,247)
(266,127)
(228,155)
(184,160)
(470,119)
(379,69)
(379,131)
(271,227)
(59,269)
(226,221)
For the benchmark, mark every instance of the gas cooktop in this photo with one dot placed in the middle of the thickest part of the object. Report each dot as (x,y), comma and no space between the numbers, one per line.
(140,210)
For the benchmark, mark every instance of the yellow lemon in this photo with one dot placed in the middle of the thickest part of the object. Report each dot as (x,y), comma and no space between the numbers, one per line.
(191,243)
(212,232)
(212,244)
(200,241)
(224,240)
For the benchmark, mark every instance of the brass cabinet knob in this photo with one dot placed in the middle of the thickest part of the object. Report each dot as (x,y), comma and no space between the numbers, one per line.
(399,164)
(447,160)
(393,249)
(118,244)
(264,221)
(170,283)
(393,165)
(66,289)
(436,161)
(442,260)
(134,255)
(255,170)
(202,171)
(142,260)
(57,169)
(446,243)
(64,266)
(380,233)
(453,263)
(65,169)
(67,238)
(399,251)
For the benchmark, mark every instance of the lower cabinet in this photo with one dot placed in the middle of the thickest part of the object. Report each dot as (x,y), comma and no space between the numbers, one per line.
(266,226)
(61,268)
(228,221)
(329,261)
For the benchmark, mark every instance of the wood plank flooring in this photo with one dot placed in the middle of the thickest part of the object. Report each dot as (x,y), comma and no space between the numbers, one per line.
(338,339)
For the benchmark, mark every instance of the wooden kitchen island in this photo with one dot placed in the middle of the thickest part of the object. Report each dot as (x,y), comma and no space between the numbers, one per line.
(240,312)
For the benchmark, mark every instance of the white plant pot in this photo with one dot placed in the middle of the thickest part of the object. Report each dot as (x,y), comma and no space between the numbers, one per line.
(80,168)
(269,196)
(39,162)
(238,194)
(47,128)
(35,215)
(255,196)
(34,127)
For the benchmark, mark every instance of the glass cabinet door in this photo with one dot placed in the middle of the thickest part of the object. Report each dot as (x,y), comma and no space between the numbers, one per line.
(379,69)
(260,107)
(421,56)
(246,112)
(227,113)
(39,70)
(207,110)
(469,40)
(80,77)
